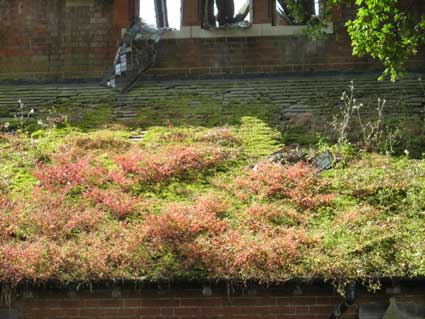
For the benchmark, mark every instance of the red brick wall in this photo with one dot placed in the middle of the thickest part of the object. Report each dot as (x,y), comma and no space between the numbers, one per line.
(286,54)
(78,39)
(280,54)
(184,302)
(192,12)
(263,11)
(59,38)
(178,303)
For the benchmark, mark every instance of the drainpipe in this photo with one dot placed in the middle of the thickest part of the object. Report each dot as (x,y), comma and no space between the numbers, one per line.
(350,297)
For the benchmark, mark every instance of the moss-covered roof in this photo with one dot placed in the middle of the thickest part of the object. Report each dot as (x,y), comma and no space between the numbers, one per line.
(179,194)
(186,203)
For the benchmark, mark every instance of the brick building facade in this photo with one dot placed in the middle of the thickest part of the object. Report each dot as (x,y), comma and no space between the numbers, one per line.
(78,39)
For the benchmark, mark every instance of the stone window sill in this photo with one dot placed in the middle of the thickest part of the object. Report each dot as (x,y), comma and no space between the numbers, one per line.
(256,30)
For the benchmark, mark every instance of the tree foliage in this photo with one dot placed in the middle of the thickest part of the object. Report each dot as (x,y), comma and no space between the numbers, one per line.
(390,31)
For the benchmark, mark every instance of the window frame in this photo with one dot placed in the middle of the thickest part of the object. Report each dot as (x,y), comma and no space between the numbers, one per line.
(161,12)
(206,26)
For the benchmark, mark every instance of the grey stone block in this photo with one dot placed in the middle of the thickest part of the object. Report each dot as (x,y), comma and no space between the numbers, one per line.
(378,311)
(8,314)
(372,311)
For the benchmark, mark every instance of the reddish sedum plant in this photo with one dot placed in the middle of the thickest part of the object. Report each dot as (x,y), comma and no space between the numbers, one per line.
(118,203)
(180,223)
(137,166)
(37,260)
(199,236)
(118,251)
(179,226)
(169,162)
(53,216)
(299,183)
(64,173)
(48,215)
(264,255)
(100,216)
(9,218)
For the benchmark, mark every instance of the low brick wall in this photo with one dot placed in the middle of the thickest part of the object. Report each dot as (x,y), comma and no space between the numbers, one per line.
(184,301)
(290,54)
(282,54)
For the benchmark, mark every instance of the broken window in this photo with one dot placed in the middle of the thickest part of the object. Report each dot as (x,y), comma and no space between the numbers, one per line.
(295,12)
(227,13)
(138,48)
(155,13)
(136,54)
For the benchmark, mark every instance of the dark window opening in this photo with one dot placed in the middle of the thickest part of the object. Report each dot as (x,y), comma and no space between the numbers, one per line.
(295,12)
(227,13)
(156,13)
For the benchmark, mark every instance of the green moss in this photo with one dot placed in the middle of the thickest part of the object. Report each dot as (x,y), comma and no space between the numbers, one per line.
(258,139)
(87,118)
(17,180)
(199,111)
(370,228)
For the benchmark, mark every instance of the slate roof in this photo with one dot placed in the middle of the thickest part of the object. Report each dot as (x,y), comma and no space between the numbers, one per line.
(316,94)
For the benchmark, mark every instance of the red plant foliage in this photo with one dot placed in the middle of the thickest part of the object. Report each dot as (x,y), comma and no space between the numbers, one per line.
(210,204)
(38,260)
(136,166)
(179,223)
(196,235)
(63,231)
(120,204)
(50,215)
(201,237)
(299,183)
(95,256)
(8,218)
(121,179)
(242,253)
(64,173)
(178,227)
(172,161)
